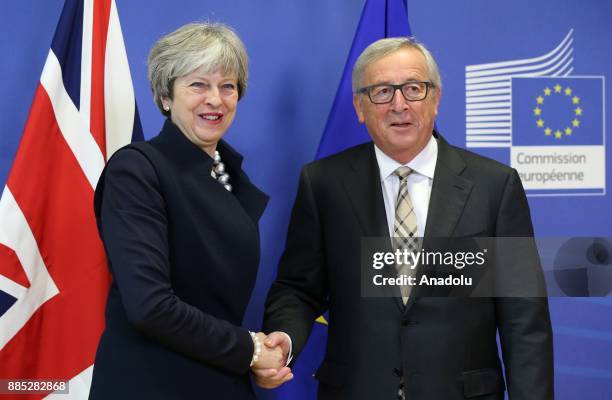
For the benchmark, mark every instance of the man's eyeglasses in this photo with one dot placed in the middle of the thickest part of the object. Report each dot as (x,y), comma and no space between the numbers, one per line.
(382,94)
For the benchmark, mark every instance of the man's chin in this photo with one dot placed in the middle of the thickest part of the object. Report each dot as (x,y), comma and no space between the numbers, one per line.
(406,142)
(405,149)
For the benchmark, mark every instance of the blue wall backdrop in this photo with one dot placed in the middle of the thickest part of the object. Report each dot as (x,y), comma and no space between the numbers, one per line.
(297,51)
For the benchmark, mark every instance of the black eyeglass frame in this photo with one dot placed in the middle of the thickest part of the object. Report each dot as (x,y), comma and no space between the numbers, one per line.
(366,89)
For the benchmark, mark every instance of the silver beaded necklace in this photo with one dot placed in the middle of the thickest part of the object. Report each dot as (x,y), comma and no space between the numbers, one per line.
(219,173)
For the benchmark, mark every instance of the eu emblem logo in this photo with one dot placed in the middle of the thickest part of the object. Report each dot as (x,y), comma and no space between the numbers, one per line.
(562,111)
(558,134)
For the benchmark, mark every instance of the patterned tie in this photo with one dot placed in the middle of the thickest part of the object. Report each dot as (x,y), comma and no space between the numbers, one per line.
(404,238)
(405,228)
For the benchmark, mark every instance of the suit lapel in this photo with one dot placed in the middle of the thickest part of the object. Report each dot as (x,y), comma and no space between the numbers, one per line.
(449,195)
(449,192)
(363,186)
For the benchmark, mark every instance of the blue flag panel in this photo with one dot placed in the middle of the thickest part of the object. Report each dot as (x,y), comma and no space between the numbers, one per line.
(380,19)
(560,111)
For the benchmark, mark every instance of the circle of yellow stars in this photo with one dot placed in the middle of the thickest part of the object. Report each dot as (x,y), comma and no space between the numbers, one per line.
(538,110)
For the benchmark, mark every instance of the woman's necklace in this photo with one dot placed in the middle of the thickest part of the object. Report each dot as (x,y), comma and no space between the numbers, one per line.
(218,172)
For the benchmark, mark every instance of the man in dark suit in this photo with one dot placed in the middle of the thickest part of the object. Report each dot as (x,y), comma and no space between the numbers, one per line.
(422,348)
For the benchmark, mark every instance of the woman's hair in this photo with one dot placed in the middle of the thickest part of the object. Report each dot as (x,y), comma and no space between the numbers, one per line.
(210,46)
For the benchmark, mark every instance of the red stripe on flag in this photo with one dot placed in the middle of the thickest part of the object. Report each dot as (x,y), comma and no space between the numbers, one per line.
(11,267)
(100,30)
(60,339)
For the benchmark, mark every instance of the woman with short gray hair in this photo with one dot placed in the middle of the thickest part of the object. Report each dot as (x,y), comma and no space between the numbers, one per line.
(179,221)
(197,45)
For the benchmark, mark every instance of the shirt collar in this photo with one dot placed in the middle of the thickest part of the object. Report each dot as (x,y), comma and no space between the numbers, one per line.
(423,163)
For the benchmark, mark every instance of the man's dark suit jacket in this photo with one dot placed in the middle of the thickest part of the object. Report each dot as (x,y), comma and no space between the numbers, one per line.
(445,348)
(183,253)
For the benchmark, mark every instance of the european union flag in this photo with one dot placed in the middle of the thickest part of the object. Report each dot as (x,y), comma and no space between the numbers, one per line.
(379,19)
(557,111)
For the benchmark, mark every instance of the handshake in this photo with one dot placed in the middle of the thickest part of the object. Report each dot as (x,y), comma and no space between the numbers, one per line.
(270,370)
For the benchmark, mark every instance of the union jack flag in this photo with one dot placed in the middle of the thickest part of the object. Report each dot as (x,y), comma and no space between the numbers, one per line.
(52,263)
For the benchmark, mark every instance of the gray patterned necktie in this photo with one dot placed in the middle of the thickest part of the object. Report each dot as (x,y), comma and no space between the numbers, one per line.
(405,227)
(404,238)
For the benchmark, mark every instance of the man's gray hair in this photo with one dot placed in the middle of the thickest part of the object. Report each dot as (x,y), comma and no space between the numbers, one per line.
(211,46)
(384,47)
